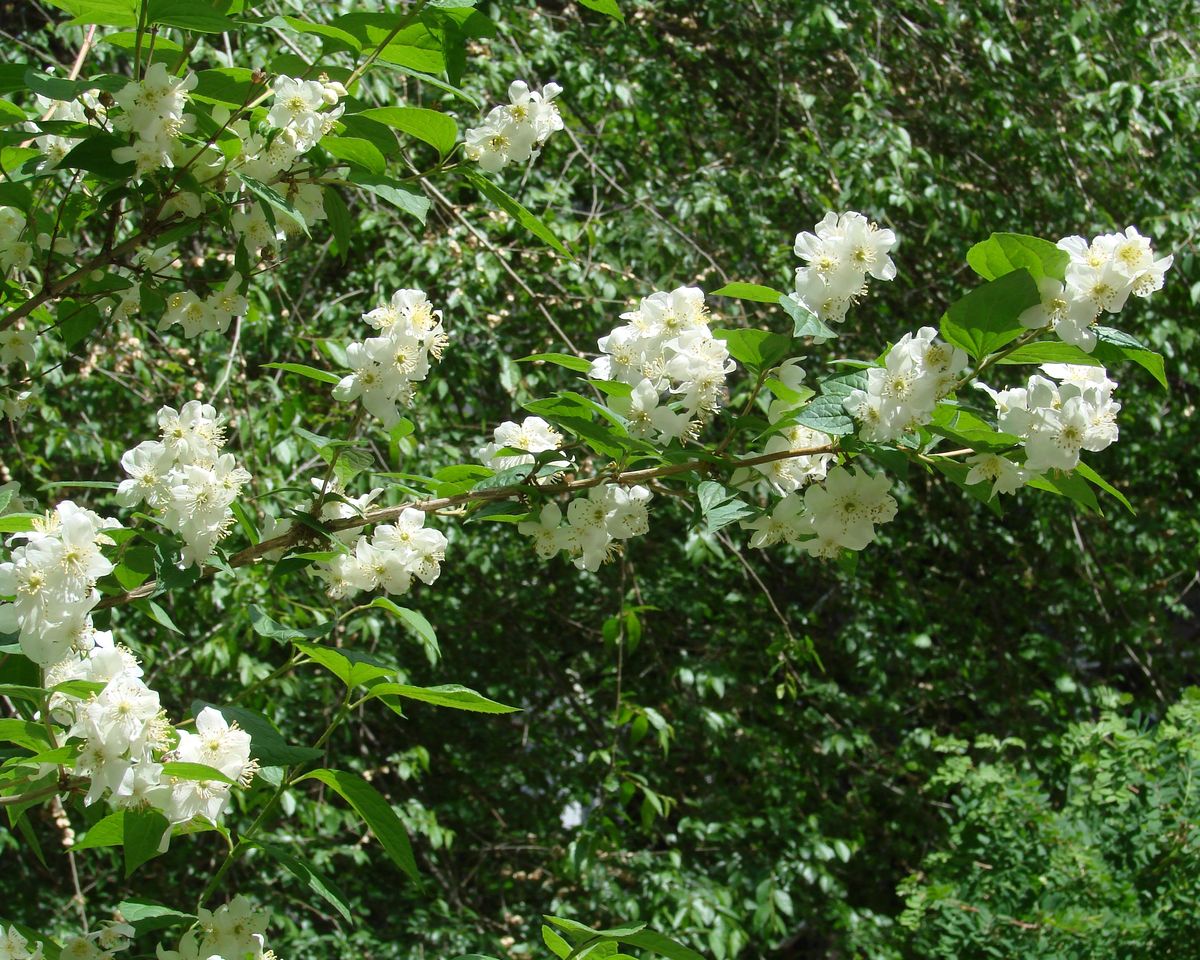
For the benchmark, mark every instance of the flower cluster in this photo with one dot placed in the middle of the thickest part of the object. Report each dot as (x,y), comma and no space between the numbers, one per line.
(15,253)
(791,473)
(213,314)
(1100,277)
(298,112)
(234,931)
(386,367)
(839,514)
(608,513)
(185,477)
(13,946)
(666,347)
(388,559)
(17,345)
(152,111)
(845,249)
(86,108)
(533,435)
(514,132)
(1057,421)
(900,396)
(126,738)
(51,579)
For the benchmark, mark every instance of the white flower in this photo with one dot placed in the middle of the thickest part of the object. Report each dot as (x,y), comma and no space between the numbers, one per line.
(1004,475)
(845,509)
(16,345)
(516,131)
(845,249)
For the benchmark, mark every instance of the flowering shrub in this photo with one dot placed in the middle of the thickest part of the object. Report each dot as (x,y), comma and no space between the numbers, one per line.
(118,171)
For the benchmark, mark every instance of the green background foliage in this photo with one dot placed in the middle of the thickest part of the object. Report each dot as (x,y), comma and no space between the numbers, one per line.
(769,756)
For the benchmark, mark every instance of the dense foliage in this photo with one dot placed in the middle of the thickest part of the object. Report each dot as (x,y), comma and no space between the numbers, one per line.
(919,753)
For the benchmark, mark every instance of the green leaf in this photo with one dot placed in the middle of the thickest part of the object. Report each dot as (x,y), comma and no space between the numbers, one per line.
(805,322)
(375,811)
(11,113)
(1050,351)
(105,13)
(719,507)
(321,886)
(273,200)
(749,291)
(1002,253)
(417,623)
(969,430)
(608,7)
(95,155)
(516,211)
(51,87)
(360,153)
(24,733)
(1069,485)
(325,30)
(340,220)
(197,15)
(109,832)
(575,414)
(146,916)
(755,348)
(153,611)
(1113,345)
(143,832)
(198,772)
(447,695)
(267,745)
(264,626)
(957,473)
(304,370)
(827,412)
(986,318)
(353,667)
(397,194)
(78,323)
(1095,479)
(229,86)
(431,126)
(18,522)
(567,360)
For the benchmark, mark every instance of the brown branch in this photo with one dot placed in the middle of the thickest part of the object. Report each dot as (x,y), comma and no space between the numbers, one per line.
(298,534)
